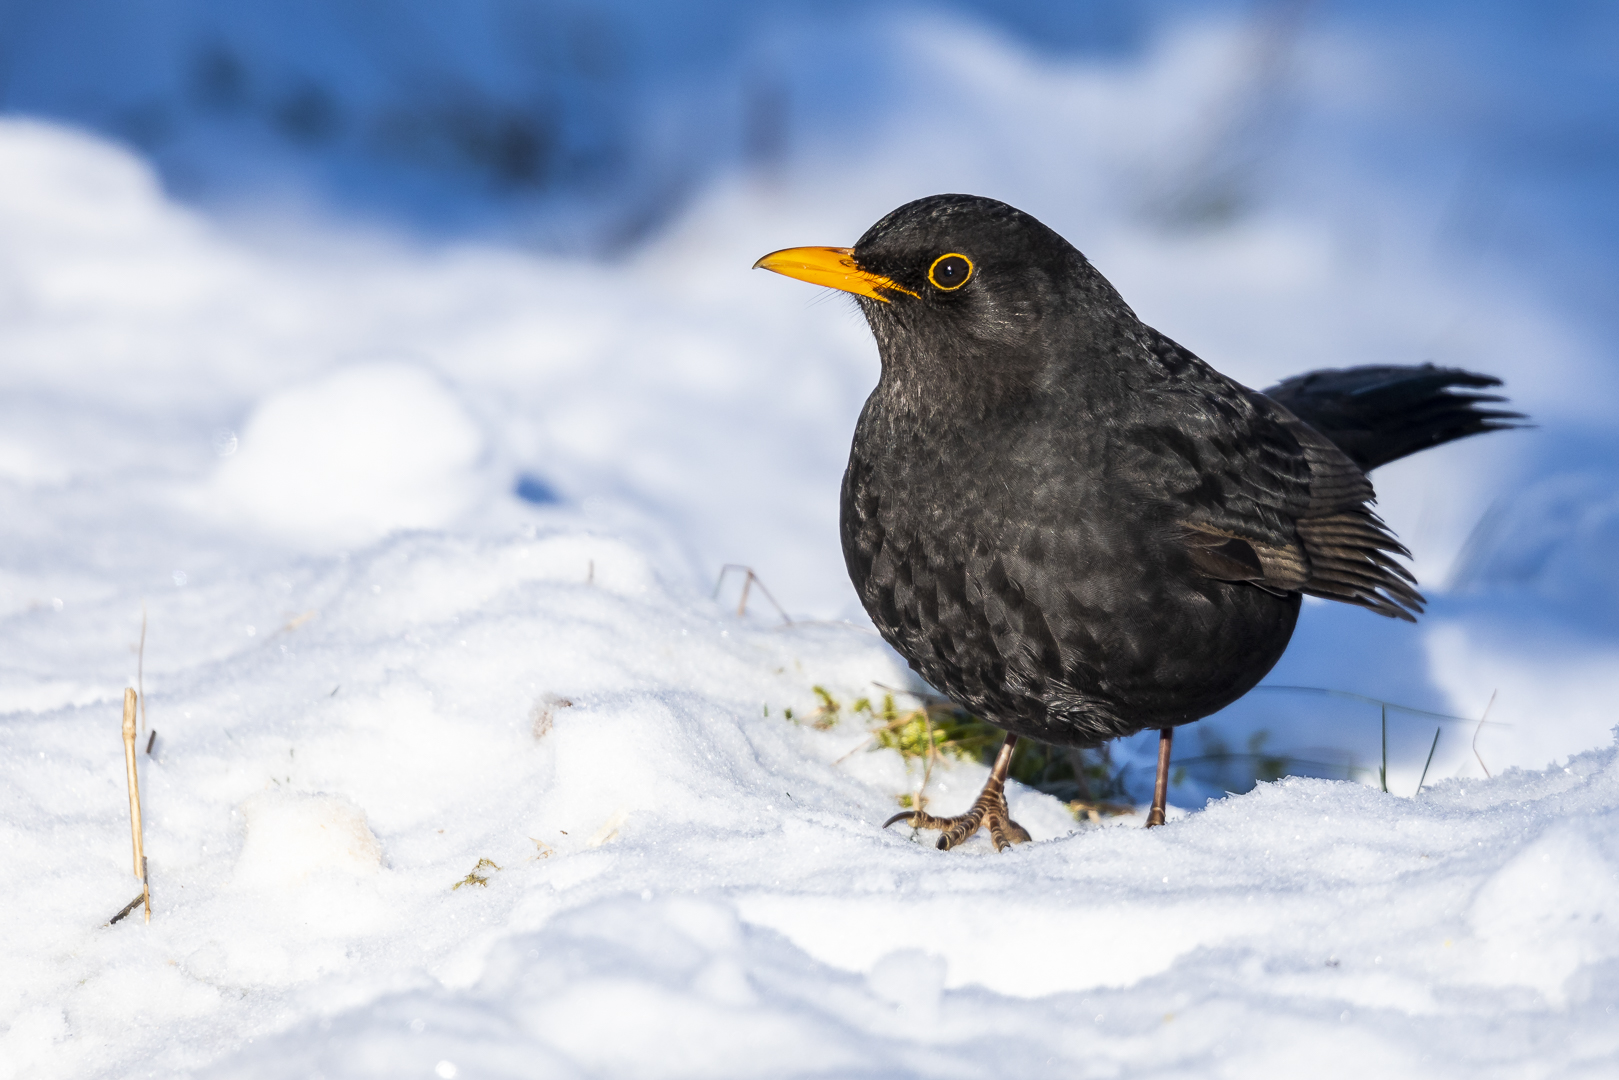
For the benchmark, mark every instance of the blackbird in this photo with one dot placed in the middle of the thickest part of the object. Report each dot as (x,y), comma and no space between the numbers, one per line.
(1068,523)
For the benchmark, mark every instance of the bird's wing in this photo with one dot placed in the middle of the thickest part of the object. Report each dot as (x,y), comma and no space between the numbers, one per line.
(1262,497)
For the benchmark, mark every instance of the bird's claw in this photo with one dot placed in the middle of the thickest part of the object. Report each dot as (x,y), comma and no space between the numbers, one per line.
(989,811)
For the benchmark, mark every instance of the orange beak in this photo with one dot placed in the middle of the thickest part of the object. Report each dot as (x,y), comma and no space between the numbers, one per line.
(833,267)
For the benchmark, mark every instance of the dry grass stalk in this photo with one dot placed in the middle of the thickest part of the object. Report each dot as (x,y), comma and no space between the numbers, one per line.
(127,908)
(544,714)
(1480,728)
(749,580)
(135,802)
(927,769)
(298,620)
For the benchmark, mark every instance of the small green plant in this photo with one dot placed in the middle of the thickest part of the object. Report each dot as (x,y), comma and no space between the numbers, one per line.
(475,878)
(827,715)
(932,730)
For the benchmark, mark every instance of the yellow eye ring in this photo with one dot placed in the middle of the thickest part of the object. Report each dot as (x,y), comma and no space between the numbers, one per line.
(947,274)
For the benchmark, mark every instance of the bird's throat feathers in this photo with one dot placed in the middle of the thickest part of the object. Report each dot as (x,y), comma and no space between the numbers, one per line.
(937,371)
(933,376)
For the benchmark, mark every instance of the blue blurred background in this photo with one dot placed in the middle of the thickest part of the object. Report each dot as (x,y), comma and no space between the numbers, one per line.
(587,126)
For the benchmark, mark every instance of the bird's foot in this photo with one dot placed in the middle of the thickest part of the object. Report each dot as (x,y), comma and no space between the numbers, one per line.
(989,812)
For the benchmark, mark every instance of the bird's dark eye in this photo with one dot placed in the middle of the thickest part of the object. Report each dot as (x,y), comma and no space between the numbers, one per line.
(950,272)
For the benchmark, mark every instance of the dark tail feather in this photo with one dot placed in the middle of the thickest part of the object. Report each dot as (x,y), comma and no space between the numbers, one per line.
(1379,414)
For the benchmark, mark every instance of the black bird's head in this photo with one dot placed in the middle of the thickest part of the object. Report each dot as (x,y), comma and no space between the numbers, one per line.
(964,290)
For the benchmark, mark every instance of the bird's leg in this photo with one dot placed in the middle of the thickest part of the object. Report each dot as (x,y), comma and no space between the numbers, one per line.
(989,811)
(1160,787)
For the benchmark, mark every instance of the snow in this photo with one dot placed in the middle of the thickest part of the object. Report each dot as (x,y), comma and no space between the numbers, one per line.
(393,448)
(460,770)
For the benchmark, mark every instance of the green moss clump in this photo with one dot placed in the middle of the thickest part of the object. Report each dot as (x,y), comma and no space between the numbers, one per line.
(826,716)
(933,730)
(475,878)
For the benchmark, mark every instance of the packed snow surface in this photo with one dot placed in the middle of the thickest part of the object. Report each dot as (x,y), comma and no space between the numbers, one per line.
(459,771)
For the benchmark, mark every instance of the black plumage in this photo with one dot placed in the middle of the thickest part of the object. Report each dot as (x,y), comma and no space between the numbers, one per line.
(1071,525)
(1378,414)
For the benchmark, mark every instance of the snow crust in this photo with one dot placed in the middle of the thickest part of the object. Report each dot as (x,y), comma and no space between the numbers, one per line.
(460,771)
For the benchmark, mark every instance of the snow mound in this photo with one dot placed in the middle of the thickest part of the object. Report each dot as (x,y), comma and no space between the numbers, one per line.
(1524,914)
(349,457)
(291,837)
